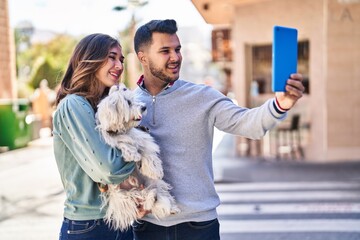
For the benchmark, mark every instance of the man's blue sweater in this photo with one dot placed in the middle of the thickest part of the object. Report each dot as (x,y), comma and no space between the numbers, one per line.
(182,118)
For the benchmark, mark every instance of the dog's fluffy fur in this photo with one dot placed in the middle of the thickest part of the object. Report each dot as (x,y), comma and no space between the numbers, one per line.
(117,117)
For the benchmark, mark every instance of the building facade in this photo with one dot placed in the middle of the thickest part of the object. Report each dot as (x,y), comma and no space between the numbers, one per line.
(330,33)
(7,55)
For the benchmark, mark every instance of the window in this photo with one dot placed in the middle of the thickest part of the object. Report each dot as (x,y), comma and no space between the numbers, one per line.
(262,63)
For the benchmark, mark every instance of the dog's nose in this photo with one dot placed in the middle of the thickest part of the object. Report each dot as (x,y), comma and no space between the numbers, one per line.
(143,108)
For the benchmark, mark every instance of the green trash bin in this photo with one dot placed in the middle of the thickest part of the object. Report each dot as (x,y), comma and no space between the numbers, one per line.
(15,130)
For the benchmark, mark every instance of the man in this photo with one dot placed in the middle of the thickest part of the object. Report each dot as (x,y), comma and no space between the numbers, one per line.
(181,117)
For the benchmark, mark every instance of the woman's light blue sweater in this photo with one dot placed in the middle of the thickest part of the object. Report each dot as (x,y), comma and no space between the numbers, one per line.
(83,159)
(182,118)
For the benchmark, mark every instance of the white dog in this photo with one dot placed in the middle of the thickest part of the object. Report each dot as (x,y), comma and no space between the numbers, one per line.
(117,117)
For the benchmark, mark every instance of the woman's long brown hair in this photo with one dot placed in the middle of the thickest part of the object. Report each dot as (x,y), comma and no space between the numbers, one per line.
(88,57)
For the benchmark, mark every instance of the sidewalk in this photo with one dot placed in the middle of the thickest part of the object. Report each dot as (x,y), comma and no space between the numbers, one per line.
(31,193)
(231,168)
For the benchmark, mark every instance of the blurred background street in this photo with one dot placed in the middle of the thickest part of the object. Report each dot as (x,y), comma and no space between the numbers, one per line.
(261,199)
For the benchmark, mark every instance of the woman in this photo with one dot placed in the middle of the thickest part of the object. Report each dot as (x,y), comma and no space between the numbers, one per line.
(83,159)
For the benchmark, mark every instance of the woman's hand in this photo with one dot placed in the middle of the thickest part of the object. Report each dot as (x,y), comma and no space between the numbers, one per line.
(140,206)
(131,183)
(141,211)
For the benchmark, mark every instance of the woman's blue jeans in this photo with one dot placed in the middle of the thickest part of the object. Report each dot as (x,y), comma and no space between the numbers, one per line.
(91,229)
(208,230)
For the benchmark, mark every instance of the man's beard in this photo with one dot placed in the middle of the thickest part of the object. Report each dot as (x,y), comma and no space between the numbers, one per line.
(159,73)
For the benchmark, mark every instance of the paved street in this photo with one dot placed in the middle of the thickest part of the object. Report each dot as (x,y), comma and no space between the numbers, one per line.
(31,193)
(261,200)
(290,210)
(286,200)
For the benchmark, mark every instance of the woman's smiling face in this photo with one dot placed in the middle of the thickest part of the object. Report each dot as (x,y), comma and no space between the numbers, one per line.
(109,74)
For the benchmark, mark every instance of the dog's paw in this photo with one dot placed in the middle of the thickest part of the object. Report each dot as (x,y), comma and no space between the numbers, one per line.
(136,157)
(131,156)
(153,174)
(149,199)
(175,209)
(151,170)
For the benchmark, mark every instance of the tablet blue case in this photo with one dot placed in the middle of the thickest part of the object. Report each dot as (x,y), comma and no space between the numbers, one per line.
(284,56)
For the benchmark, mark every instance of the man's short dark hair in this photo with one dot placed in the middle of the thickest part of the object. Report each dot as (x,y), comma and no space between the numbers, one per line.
(143,35)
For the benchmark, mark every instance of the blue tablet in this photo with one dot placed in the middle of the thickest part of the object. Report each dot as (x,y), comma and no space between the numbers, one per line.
(284,56)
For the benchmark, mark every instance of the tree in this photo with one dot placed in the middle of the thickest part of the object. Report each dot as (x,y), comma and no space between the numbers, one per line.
(44,60)
(43,69)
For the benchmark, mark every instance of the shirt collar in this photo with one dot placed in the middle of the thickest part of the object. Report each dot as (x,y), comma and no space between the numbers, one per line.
(141,83)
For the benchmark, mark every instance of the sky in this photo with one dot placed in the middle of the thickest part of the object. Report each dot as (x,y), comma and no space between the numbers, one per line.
(80,17)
